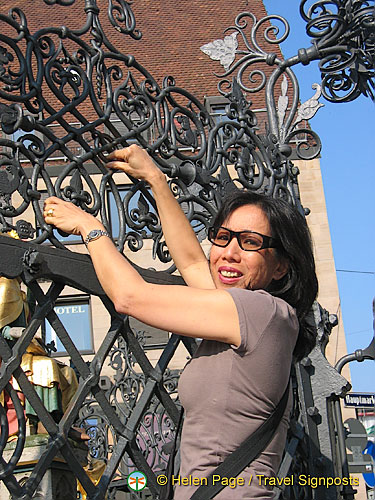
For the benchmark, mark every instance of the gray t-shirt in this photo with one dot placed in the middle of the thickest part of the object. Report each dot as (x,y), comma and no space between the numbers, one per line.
(228,392)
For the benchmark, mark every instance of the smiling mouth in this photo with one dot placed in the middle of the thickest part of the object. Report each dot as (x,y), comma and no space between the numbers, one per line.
(230,274)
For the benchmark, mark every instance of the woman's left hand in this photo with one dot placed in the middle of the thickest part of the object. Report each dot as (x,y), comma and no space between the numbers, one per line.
(68,217)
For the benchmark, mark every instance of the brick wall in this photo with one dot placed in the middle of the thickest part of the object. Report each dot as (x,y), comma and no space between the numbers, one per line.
(173,33)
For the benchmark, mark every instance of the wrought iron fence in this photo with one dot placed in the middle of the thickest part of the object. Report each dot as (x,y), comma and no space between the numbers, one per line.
(70,93)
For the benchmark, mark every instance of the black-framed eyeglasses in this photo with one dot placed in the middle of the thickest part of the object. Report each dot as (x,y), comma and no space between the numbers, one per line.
(250,241)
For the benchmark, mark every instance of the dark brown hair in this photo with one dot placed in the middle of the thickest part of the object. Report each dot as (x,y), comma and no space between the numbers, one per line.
(299,286)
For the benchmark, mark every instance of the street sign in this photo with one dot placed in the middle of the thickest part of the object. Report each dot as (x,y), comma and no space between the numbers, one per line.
(360,400)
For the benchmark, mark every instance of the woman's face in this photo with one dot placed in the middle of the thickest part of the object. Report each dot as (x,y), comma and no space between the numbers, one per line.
(233,267)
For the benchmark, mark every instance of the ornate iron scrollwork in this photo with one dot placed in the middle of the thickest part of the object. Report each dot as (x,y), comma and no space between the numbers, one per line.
(156,427)
(347,27)
(75,97)
(127,105)
(256,70)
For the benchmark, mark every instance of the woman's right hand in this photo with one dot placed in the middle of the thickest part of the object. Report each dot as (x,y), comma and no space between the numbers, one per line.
(134,161)
(179,235)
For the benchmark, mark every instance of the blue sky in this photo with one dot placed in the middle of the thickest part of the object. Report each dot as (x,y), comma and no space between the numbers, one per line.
(348,170)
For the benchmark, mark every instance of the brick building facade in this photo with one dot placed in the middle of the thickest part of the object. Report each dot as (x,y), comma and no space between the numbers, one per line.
(173,33)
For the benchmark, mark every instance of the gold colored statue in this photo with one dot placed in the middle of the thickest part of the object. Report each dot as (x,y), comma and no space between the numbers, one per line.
(54,382)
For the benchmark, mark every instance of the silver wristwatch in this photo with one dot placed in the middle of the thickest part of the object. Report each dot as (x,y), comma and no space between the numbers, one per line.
(94,235)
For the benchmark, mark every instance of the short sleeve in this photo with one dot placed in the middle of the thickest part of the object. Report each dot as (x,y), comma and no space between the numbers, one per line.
(256,310)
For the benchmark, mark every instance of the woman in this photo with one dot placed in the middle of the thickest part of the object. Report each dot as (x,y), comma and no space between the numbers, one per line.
(248,303)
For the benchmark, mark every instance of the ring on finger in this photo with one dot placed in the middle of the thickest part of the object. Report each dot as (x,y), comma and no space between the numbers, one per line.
(50,212)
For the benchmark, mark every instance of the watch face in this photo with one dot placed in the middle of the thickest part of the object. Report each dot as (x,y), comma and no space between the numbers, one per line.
(94,234)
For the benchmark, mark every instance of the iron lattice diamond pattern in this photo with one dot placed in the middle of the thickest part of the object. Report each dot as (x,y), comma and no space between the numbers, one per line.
(74,98)
(128,423)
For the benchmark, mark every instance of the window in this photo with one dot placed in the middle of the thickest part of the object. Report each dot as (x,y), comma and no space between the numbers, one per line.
(75,314)
(217,108)
(150,337)
(139,208)
(20,133)
(70,238)
(17,135)
(219,113)
(144,214)
(137,123)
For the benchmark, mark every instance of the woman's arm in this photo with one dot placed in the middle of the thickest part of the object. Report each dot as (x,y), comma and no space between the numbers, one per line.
(208,314)
(180,238)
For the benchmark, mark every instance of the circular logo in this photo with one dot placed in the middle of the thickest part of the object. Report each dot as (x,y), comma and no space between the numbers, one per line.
(137,481)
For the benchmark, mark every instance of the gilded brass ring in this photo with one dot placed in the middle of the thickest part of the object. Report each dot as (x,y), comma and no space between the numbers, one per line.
(50,212)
